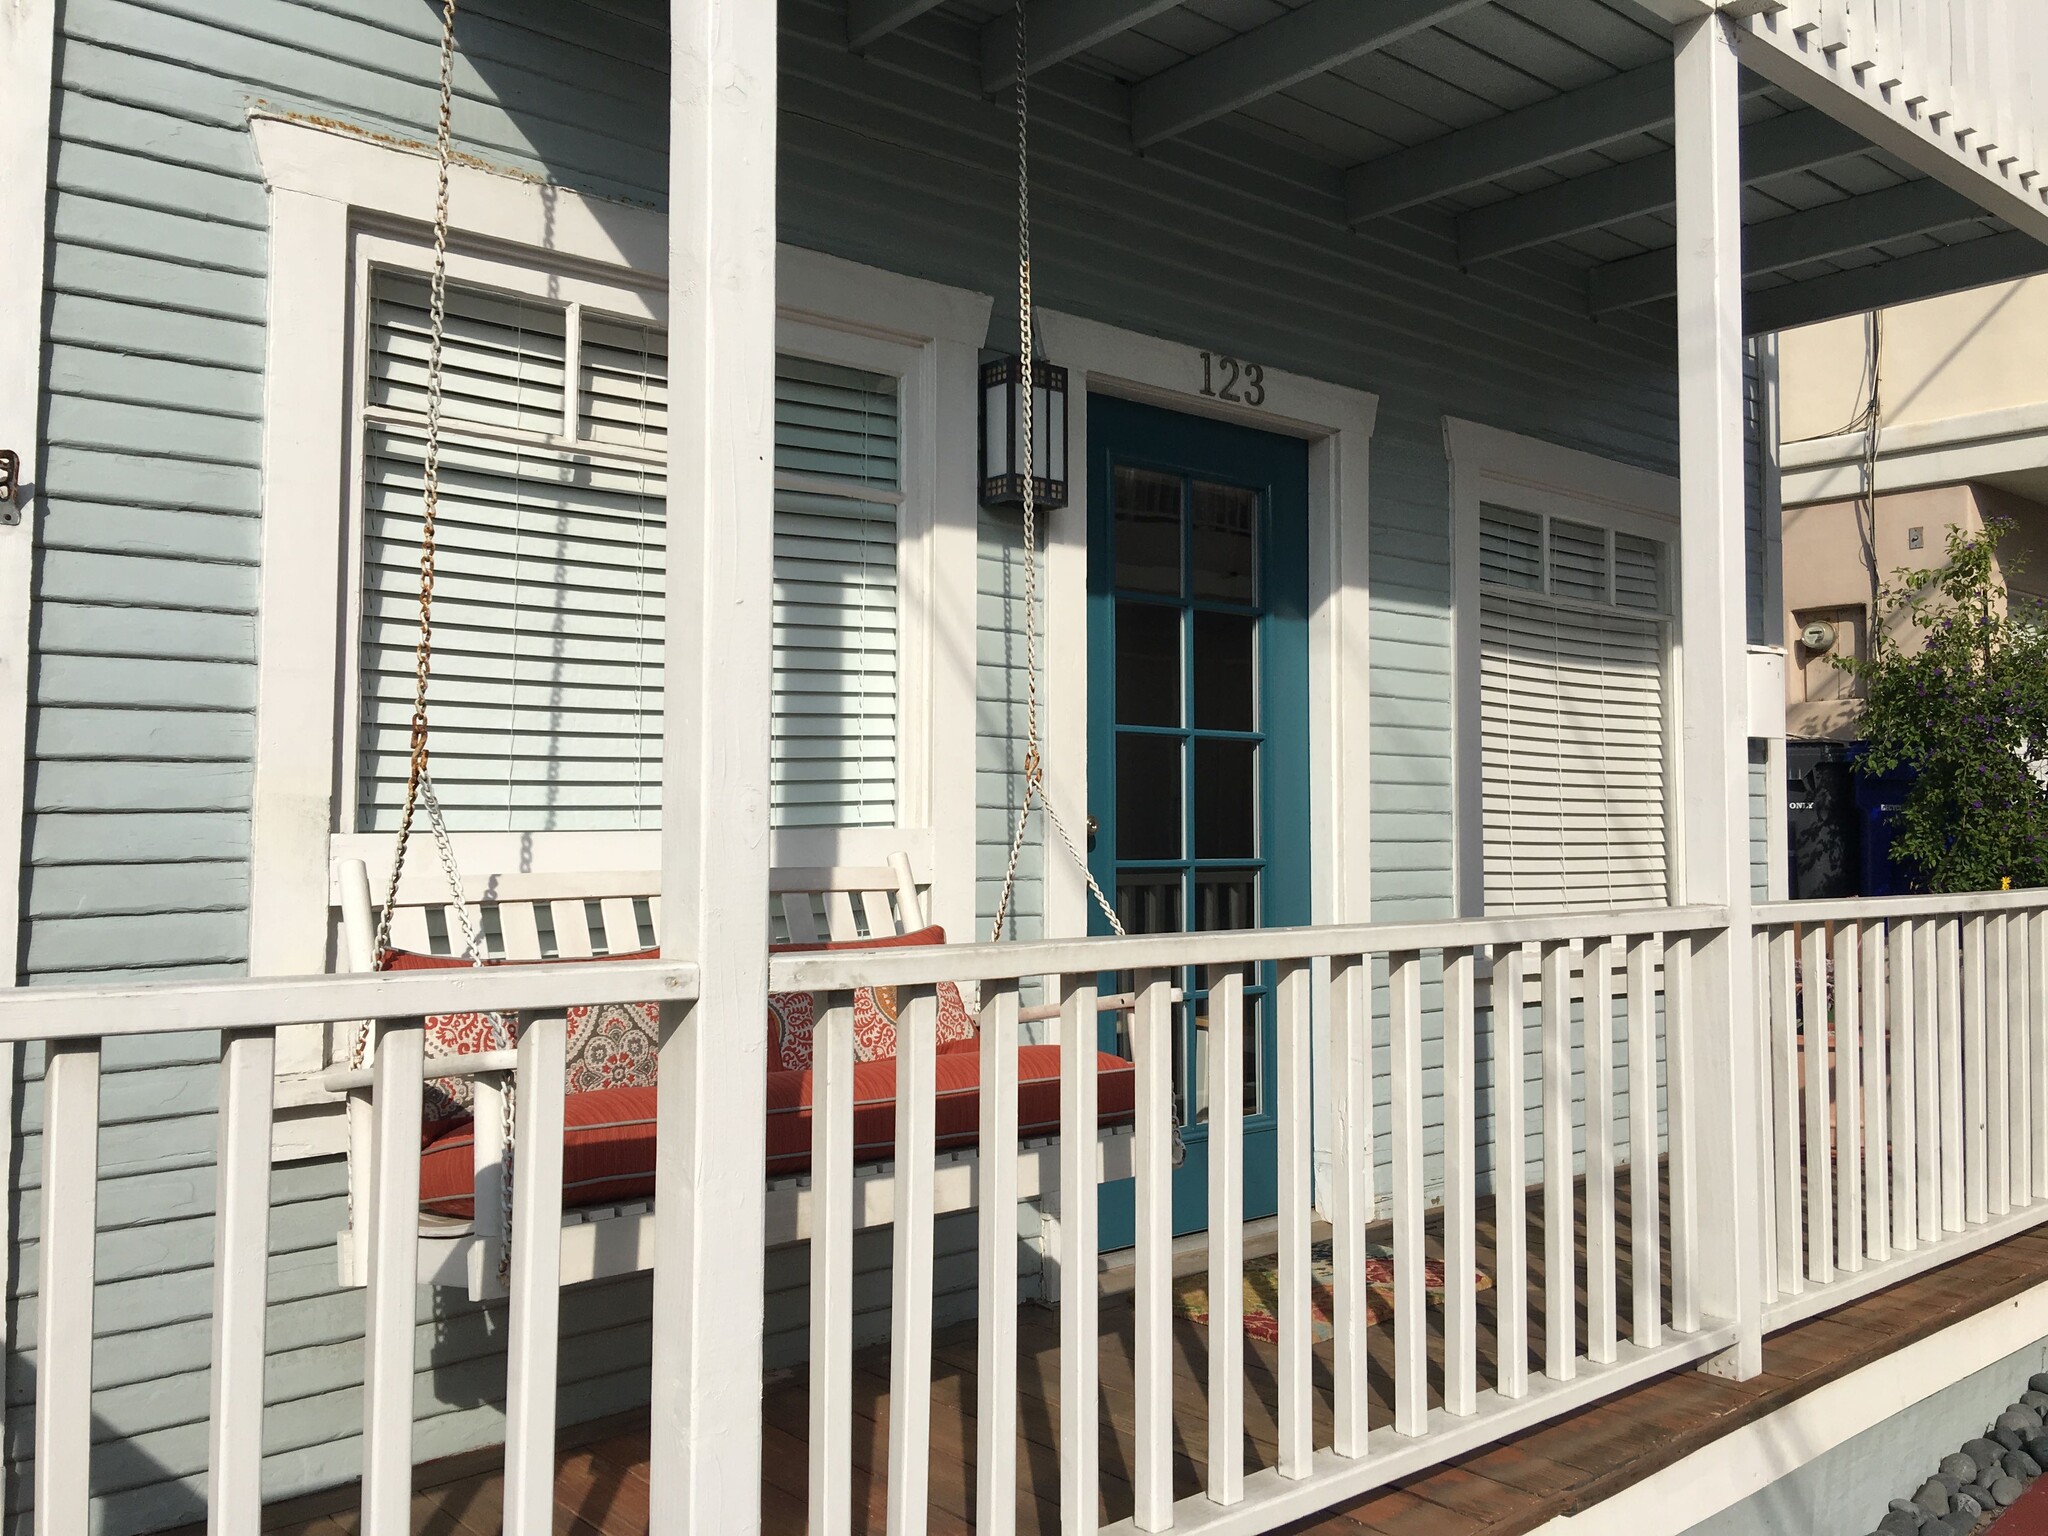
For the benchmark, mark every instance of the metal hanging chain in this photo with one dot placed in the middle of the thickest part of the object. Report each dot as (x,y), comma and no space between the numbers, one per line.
(419,787)
(1034,763)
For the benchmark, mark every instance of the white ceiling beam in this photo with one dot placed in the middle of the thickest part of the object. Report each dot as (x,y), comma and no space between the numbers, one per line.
(1286,51)
(1616,108)
(1812,234)
(1056,30)
(2001,258)
(869,21)
(1795,141)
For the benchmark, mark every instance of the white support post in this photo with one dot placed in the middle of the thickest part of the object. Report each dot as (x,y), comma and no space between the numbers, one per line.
(711,1133)
(241,1273)
(28,42)
(1714,863)
(1080,1285)
(65,1286)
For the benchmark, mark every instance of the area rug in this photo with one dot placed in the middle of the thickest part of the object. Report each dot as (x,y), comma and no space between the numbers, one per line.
(1262,1291)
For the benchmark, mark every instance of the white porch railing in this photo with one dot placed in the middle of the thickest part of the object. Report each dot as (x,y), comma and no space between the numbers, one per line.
(1924,1134)
(1906,1084)
(1629,968)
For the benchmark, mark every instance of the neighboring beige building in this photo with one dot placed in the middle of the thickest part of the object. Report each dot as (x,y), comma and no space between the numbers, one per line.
(1963,436)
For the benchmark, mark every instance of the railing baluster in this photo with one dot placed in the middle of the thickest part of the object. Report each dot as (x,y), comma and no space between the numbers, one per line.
(1510,1175)
(2037,1041)
(1461,1100)
(1948,953)
(910,1311)
(1411,1319)
(1876,1237)
(1152,1034)
(1847,1017)
(1973,1053)
(1680,1009)
(1903,996)
(1601,1336)
(1765,1124)
(831,1430)
(1996,1073)
(1295,1150)
(1646,1256)
(1351,1203)
(1080,1341)
(64,1290)
(2021,1128)
(392,1304)
(1927,975)
(1226,1237)
(533,1344)
(1560,1224)
(241,1262)
(1791,1275)
(1820,1225)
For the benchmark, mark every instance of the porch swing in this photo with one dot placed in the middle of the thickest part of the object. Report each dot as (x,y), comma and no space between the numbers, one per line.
(469,1137)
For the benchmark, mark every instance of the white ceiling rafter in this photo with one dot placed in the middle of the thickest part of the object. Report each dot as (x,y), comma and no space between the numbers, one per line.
(1304,43)
(1795,141)
(1997,258)
(1615,108)
(1056,30)
(1811,234)
(869,21)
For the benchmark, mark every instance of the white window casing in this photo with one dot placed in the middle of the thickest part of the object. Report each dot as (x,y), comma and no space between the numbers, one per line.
(546,698)
(1564,593)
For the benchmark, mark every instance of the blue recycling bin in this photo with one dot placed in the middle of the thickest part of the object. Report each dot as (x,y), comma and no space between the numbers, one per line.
(1878,798)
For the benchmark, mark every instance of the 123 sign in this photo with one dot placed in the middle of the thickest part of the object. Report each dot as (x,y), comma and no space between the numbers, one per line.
(1233,381)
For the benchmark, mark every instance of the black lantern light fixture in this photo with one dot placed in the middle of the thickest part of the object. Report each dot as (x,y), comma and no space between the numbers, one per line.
(1002,433)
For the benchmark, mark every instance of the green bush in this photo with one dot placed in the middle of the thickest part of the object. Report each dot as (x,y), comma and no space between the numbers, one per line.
(1967,715)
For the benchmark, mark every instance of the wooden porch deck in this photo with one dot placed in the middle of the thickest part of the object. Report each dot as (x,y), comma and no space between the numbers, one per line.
(1515,1486)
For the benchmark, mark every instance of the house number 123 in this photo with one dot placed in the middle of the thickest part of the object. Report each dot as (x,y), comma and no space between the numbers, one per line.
(1226,378)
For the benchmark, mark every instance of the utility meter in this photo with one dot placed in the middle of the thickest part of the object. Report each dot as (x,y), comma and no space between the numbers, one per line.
(1818,637)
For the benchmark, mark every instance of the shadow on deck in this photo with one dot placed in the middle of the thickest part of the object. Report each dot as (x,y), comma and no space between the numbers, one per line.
(1561,1467)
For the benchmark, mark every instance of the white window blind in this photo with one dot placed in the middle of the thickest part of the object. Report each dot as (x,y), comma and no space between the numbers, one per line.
(546,689)
(1573,685)
(836,502)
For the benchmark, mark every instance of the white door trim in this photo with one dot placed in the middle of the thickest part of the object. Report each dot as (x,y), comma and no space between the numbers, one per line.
(1337,422)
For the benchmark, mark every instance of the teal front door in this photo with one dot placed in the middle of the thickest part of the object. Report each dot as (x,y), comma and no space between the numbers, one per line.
(1198,732)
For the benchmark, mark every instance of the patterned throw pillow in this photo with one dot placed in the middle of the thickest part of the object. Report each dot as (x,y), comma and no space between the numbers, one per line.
(613,1045)
(793,1016)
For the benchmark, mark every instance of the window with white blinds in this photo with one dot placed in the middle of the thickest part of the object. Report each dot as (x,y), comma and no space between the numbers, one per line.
(551,541)
(1573,678)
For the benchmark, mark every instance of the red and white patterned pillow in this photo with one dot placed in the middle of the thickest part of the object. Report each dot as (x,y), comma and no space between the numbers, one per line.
(793,1016)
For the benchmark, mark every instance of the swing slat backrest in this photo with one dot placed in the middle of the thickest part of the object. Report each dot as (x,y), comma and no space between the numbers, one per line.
(577,916)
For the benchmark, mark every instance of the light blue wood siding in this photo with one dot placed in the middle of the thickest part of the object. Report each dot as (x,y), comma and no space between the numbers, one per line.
(145,631)
(145,675)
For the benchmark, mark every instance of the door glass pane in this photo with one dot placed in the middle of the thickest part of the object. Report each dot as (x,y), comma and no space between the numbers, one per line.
(1147,531)
(1225,661)
(1226,899)
(1226,542)
(1148,802)
(1149,906)
(1226,800)
(1147,664)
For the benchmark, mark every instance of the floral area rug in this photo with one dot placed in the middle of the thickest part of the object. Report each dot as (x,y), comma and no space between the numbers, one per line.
(1262,1291)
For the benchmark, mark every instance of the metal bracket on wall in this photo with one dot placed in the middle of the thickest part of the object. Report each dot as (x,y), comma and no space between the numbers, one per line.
(10,487)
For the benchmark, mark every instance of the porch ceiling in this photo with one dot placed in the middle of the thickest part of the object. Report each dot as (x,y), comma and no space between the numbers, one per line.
(1511,130)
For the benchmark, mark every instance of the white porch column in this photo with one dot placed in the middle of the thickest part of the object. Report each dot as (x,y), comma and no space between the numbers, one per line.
(711,1148)
(1718,1081)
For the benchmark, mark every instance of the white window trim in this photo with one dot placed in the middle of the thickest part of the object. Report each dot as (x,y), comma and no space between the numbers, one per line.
(1506,468)
(325,187)
(1337,423)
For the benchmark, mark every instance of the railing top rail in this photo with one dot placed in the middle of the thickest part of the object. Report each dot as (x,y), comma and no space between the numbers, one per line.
(1864,908)
(60,1013)
(840,969)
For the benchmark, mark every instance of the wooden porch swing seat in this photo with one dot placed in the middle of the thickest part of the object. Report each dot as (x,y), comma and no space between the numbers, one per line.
(607,1221)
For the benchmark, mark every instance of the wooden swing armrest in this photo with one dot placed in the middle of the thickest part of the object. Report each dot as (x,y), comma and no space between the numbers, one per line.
(482,1064)
(1110,1002)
